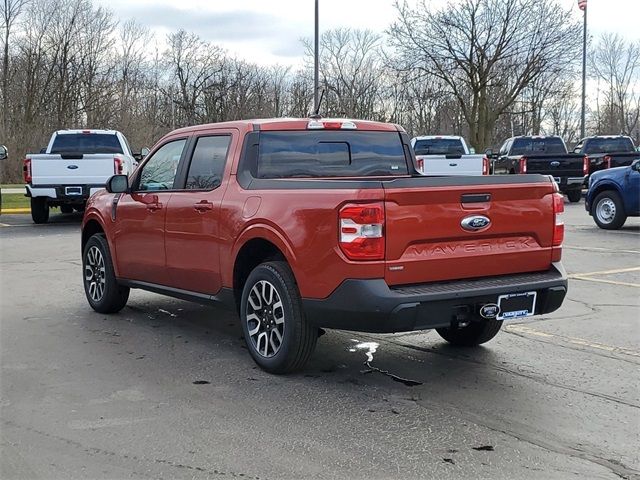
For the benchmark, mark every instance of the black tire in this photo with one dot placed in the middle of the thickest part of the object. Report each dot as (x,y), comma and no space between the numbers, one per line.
(608,210)
(66,208)
(574,196)
(298,336)
(113,297)
(476,333)
(39,210)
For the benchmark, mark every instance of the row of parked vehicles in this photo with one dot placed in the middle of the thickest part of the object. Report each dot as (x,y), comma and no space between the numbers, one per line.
(304,224)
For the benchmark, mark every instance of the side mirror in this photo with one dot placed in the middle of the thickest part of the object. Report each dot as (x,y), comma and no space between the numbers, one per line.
(488,152)
(4,153)
(636,166)
(118,184)
(143,153)
(43,150)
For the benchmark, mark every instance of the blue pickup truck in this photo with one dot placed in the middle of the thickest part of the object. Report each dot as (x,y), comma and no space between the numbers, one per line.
(614,195)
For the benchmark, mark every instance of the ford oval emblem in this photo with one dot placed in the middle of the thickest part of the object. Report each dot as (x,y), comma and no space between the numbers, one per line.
(72,167)
(555,164)
(475,223)
(490,310)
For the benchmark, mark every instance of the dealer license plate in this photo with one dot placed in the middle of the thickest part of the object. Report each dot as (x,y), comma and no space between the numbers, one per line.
(516,305)
(73,190)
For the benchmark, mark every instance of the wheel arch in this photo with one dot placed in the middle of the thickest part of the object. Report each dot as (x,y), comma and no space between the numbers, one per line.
(257,245)
(602,187)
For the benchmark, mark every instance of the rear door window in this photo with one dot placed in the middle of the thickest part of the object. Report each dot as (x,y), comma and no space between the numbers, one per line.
(87,143)
(308,154)
(207,163)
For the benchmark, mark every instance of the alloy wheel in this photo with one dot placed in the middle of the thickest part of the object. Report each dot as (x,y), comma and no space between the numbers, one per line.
(265,318)
(94,273)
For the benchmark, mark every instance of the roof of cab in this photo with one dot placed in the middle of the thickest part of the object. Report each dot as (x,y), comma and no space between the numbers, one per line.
(287,124)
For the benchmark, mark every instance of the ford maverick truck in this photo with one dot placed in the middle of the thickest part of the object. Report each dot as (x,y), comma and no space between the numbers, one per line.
(304,224)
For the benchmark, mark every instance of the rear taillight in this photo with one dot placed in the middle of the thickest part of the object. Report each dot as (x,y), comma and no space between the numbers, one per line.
(523,165)
(362,231)
(558,228)
(420,164)
(118,166)
(585,165)
(607,161)
(485,166)
(26,170)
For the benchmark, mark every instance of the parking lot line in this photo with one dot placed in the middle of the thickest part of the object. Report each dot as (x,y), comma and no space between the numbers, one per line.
(599,249)
(523,329)
(589,276)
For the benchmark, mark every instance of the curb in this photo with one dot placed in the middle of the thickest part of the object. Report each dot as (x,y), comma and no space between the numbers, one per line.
(15,210)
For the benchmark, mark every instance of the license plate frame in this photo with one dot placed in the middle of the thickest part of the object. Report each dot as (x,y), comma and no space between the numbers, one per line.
(73,191)
(516,305)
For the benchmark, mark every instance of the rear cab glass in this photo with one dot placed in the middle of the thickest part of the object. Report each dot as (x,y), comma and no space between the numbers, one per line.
(87,143)
(328,153)
(609,145)
(538,146)
(439,146)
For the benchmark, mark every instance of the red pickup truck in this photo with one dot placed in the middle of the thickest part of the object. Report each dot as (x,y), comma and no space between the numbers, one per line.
(301,224)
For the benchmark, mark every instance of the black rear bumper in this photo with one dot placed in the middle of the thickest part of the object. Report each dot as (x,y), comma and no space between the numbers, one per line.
(372,306)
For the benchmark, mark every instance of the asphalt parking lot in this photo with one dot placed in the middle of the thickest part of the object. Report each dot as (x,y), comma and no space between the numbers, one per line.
(166,389)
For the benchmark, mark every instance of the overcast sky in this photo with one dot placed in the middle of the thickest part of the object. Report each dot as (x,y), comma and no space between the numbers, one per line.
(268,32)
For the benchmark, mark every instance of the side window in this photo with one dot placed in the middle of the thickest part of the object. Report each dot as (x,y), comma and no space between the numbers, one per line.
(504,149)
(207,163)
(159,172)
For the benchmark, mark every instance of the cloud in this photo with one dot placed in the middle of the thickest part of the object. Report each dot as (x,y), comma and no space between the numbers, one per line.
(229,26)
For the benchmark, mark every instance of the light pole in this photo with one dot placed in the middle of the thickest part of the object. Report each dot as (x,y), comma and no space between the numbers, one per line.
(582,4)
(316,73)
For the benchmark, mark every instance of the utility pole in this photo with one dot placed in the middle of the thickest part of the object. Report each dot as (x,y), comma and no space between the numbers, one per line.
(582,4)
(316,71)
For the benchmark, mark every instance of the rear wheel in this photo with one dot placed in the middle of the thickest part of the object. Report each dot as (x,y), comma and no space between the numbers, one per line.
(475,333)
(608,210)
(39,210)
(101,287)
(66,208)
(574,195)
(279,337)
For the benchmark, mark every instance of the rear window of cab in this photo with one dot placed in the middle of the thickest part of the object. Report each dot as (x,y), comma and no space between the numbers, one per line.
(329,153)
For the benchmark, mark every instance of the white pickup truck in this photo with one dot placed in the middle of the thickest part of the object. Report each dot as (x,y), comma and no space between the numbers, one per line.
(447,155)
(75,164)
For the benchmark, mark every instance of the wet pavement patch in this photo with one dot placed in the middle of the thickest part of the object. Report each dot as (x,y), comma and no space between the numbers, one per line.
(484,448)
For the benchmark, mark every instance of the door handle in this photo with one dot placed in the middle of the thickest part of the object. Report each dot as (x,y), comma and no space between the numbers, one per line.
(152,207)
(203,206)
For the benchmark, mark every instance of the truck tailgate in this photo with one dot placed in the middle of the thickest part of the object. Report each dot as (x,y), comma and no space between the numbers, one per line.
(426,242)
(450,164)
(50,169)
(570,165)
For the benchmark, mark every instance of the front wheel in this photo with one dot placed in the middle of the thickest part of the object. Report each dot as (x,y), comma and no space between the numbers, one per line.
(39,210)
(574,196)
(608,210)
(101,287)
(476,333)
(279,337)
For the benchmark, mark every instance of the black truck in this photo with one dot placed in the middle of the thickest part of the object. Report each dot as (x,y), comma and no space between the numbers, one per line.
(546,155)
(607,151)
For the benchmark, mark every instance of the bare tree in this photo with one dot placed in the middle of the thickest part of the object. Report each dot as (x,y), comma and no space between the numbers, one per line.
(10,10)
(486,51)
(615,63)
